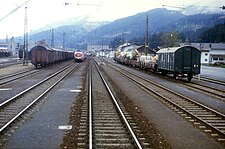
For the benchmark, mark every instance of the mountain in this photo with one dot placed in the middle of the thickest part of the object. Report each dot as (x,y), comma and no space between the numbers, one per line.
(84,32)
(133,26)
(191,26)
(215,34)
(204,7)
(80,26)
(160,20)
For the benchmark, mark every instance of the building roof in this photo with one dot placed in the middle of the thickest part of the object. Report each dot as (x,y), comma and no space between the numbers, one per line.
(168,50)
(208,46)
(172,49)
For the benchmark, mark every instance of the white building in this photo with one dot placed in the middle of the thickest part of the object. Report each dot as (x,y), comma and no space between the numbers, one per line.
(9,47)
(211,52)
(12,46)
(100,50)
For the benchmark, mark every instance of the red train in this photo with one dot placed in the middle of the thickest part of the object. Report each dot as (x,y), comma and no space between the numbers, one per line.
(42,56)
(79,56)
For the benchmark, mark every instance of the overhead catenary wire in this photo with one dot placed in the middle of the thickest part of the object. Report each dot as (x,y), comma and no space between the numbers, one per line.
(183,7)
(14,10)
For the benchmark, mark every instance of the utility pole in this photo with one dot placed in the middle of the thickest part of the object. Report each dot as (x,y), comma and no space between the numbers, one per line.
(63,40)
(52,40)
(146,35)
(25,50)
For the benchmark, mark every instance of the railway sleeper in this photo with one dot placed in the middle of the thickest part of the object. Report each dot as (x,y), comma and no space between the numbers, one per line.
(106,121)
(211,118)
(115,145)
(110,131)
(205,115)
(220,127)
(107,124)
(113,140)
(109,128)
(111,135)
(218,124)
(215,121)
(106,118)
(201,113)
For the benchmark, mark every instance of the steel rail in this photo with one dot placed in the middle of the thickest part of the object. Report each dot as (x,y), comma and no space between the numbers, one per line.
(218,93)
(220,82)
(34,101)
(32,87)
(14,74)
(90,106)
(120,111)
(173,92)
(19,77)
(176,105)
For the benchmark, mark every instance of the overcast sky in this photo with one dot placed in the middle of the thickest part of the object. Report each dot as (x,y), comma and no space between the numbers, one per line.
(44,12)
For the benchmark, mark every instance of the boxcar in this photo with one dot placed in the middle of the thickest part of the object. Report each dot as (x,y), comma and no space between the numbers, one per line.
(179,61)
(39,56)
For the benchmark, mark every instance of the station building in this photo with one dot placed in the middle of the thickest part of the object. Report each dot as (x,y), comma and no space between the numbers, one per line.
(9,48)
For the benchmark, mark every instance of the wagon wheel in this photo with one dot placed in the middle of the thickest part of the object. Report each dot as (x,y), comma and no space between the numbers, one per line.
(190,76)
(175,76)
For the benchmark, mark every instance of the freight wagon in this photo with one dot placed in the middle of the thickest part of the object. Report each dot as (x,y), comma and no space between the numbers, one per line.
(42,56)
(4,53)
(179,61)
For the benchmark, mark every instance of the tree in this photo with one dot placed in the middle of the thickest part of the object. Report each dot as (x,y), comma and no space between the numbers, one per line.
(214,34)
(170,39)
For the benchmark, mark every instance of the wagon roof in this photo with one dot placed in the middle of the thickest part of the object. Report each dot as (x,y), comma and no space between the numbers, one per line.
(172,49)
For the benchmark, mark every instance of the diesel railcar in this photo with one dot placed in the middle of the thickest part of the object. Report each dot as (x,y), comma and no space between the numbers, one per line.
(79,56)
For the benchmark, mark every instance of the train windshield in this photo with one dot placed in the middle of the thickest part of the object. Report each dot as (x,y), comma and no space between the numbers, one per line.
(78,54)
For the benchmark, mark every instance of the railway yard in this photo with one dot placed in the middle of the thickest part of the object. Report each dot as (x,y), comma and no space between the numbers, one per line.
(99,103)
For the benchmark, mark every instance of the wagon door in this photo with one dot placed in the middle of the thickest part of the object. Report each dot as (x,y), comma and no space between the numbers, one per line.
(187,59)
(34,57)
(196,61)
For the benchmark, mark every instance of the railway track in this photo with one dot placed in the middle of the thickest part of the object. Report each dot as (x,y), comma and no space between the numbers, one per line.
(212,91)
(13,108)
(110,126)
(7,64)
(215,81)
(15,76)
(207,119)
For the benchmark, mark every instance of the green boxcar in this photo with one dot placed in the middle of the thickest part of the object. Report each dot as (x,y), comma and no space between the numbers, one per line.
(180,61)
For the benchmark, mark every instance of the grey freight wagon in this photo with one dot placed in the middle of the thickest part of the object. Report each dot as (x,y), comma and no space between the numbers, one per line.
(180,61)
